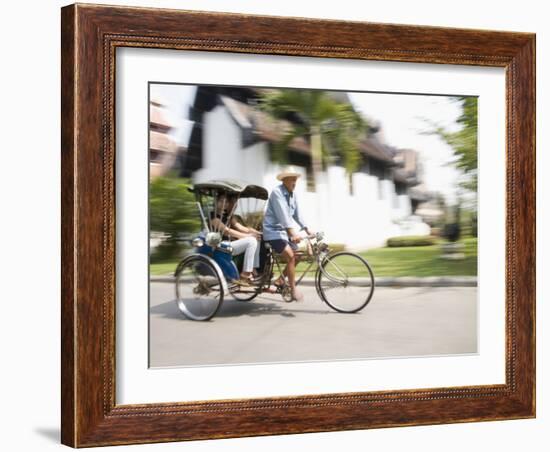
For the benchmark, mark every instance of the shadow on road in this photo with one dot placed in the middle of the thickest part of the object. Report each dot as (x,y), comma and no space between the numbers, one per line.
(232,308)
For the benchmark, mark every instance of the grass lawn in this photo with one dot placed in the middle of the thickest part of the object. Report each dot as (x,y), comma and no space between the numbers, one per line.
(403,261)
(163,268)
(422,261)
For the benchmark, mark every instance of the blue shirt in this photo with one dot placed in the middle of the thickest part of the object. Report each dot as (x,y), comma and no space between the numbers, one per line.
(281,213)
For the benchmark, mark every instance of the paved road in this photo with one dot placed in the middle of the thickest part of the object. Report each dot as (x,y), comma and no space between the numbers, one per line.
(397,322)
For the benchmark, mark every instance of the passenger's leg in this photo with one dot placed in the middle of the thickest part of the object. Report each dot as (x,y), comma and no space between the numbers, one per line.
(249,256)
(248,246)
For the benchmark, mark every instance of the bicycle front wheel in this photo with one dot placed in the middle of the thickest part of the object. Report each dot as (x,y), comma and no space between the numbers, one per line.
(345,282)
(199,288)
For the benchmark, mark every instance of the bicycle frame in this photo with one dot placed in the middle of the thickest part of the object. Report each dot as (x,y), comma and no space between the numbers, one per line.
(316,257)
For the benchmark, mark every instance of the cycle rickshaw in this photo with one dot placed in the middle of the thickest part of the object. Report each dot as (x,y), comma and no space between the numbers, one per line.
(343,280)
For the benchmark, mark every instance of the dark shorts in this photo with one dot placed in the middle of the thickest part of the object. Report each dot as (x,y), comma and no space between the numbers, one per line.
(279,245)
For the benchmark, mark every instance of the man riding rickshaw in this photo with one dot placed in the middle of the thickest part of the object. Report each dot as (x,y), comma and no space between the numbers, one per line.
(239,250)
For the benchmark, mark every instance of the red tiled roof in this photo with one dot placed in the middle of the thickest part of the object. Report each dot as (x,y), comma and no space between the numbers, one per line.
(371,147)
(267,127)
(159,141)
(157,116)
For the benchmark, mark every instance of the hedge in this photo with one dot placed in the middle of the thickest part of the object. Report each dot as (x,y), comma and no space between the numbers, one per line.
(336,247)
(412,240)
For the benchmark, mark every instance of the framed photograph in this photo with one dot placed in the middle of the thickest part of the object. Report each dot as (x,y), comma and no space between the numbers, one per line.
(283,225)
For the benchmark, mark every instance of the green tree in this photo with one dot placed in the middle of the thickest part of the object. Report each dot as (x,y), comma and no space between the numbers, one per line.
(172,211)
(334,128)
(464,141)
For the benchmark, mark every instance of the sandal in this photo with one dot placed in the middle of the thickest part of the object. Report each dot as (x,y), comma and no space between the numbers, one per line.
(241,282)
(245,280)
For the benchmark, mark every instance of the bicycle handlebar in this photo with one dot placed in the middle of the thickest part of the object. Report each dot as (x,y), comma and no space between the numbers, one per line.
(317,236)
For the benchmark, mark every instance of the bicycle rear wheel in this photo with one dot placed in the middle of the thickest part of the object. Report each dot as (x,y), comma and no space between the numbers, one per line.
(199,288)
(345,282)
(244,293)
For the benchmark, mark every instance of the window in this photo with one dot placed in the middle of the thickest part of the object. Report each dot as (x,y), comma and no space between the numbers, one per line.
(155,156)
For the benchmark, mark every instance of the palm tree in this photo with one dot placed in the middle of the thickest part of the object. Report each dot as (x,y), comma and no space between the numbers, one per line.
(334,128)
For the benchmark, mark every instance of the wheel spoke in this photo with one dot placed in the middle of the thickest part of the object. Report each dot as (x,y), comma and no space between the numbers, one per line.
(333,264)
(331,285)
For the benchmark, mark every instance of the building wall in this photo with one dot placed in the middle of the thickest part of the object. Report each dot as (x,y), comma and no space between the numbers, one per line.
(362,220)
(221,146)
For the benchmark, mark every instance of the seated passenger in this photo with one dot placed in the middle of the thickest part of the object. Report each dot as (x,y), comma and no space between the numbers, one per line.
(243,239)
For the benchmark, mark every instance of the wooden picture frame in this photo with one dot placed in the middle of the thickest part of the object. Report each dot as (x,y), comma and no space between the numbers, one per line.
(90,36)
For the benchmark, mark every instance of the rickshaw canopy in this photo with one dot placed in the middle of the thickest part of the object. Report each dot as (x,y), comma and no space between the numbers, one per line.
(230,186)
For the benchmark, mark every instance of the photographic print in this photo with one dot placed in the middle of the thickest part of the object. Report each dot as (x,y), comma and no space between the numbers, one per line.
(296,222)
(295,225)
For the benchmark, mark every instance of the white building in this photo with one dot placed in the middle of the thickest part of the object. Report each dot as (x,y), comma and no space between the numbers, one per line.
(233,139)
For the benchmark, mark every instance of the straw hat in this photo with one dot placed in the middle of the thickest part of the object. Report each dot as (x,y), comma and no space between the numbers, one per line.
(288,171)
